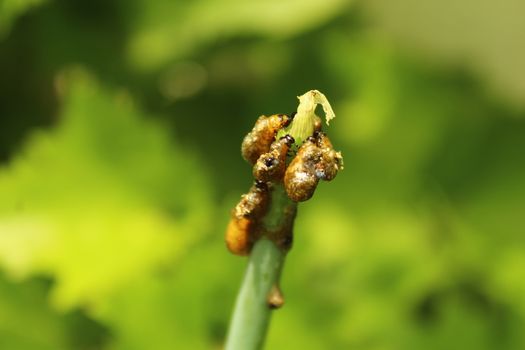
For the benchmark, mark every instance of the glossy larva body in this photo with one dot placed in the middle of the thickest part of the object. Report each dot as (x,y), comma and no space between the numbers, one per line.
(332,161)
(270,166)
(241,231)
(315,160)
(300,179)
(260,138)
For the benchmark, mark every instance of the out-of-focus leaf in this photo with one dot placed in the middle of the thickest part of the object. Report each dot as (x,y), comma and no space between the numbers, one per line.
(167,30)
(188,307)
(99,201)
(11,9)
(27,322)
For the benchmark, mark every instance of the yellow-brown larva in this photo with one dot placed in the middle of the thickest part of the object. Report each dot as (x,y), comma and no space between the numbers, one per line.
(300,179)
(237,237)
(322,140)
(271,165)
(331,161)
(258,140)
(240,233)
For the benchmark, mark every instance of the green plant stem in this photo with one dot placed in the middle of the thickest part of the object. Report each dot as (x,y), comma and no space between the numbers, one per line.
(252,311)
(252,314)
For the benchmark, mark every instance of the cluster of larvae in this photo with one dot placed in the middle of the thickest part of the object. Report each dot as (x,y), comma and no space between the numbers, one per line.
(275,164)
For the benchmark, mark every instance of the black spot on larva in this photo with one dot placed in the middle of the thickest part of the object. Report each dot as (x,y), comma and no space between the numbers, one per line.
(269,162)
(311,139)
(261,185)
(289,139)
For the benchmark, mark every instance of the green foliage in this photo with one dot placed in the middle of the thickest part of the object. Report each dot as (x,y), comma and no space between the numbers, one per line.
(28,322)
(11,9)
(95,203)
(116,185)
(156,38)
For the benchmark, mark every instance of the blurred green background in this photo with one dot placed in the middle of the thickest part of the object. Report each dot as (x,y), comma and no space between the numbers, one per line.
(120,128)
